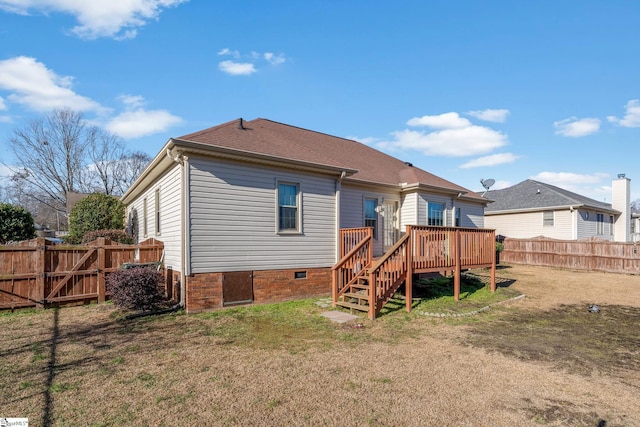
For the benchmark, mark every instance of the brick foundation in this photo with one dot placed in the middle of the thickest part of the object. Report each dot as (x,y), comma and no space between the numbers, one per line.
(204,290)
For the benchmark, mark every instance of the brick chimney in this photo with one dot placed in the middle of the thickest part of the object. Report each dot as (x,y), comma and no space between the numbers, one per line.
(621,201)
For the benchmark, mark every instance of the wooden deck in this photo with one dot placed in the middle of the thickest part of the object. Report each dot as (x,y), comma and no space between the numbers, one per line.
(360,282)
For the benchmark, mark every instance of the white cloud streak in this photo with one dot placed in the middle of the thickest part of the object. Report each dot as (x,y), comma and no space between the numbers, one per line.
(237,68)
(454,136)
(118,19)
(38,88)
(249,62)
(631,118)
(137,122)
(491,160)
(574,127)
(495,116)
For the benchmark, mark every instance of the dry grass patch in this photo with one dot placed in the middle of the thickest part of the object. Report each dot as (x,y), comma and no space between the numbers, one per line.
(284,364)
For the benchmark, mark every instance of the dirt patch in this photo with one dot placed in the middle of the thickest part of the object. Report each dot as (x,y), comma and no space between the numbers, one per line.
(571,337)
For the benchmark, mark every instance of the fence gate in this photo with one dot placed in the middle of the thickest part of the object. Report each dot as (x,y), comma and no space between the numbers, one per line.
(237,288)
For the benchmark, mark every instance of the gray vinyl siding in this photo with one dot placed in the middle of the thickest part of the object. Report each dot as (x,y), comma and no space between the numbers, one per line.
(423,201)
(169,186)
(471,215)
(588,227)
(409,211)
(233,218)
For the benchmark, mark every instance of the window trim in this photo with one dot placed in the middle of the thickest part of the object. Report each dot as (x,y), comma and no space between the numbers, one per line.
(298,229)
(157,211)
(145,227)
(442,214)
(548,222)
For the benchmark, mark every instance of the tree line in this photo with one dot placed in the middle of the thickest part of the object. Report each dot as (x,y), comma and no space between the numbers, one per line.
(61,153)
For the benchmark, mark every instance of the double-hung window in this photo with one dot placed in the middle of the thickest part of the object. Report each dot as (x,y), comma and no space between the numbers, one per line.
(600,223)
(157,211)
(371,216)
(435,213)
(288,207)
(547,219)
(611,225)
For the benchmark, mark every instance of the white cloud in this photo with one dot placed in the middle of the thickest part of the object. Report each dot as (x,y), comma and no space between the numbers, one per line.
(575,127)
(455,136)
(118,19)
(274,59)
(249,62)
(38,88)
(237,68)
(441,121)
(500,184)
(136,122)
(632,117)
(3,106)
(496,116)
(227,52)
(491,160)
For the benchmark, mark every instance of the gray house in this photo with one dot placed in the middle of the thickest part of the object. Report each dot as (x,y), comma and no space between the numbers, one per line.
(250,211)
(533,208)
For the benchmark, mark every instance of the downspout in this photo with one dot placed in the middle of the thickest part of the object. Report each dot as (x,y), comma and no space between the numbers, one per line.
(338,197)
(183,161)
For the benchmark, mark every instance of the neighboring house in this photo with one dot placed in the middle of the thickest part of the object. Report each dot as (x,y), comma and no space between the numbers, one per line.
(532,208)
(251,210)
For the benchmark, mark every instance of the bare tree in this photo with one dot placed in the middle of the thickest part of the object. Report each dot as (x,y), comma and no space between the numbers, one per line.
(61,153)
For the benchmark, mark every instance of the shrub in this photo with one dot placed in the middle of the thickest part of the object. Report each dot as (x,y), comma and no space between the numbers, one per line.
(95,212)
(135,288)
(119,236)
(499,247)
(16,223)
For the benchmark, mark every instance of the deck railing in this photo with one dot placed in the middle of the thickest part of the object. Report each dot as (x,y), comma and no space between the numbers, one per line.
(422,249)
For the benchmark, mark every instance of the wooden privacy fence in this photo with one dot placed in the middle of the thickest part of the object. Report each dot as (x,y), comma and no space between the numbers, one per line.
(593,254)
(33,273)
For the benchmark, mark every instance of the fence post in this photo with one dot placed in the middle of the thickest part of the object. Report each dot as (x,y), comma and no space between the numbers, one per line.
(101,268)
(492,248)
(40,267)
(456,275)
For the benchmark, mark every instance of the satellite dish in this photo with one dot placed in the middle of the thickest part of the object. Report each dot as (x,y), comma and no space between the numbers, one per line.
(487,183)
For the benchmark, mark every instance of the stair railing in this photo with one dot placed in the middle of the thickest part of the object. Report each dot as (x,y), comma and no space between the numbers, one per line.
(388,273)
(355,262)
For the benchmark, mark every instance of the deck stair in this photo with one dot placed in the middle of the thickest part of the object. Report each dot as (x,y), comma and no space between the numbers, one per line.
(364,284)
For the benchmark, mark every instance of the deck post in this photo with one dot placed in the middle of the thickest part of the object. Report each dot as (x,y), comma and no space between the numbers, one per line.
(372,296)
(456,275)
(334,287)
(408,282)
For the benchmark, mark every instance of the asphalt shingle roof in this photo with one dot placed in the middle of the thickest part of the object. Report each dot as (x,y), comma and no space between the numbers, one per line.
(530,194)
(266,137)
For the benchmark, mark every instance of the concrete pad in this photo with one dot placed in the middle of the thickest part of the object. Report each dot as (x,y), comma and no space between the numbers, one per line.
(339,316)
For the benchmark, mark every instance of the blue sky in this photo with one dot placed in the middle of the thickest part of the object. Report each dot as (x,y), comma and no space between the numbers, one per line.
(507,90)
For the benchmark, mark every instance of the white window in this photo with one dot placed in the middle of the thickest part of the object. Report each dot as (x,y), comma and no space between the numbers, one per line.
(600,221)
(288,196)
(435,213)
(547,219)
(157,210)
(371,215)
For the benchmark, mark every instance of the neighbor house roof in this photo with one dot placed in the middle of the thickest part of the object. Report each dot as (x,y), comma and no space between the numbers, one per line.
(365,164)
(530,195)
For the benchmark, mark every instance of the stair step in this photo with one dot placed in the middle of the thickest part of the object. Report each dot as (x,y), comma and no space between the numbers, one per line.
(360,286)
(353,306)
(356,295)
